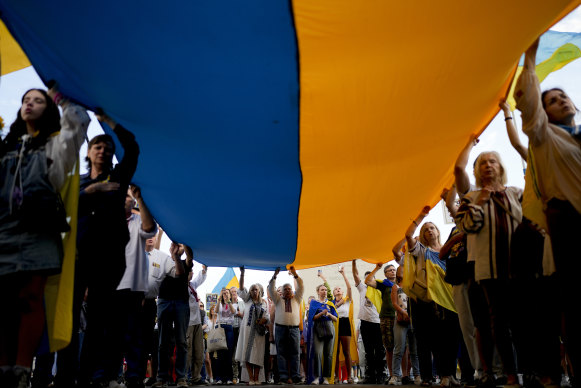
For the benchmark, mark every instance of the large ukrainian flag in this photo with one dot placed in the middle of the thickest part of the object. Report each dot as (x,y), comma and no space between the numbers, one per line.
(275,131)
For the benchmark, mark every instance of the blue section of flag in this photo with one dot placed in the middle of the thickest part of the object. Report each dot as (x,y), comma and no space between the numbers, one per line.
(211,91)
(551,41)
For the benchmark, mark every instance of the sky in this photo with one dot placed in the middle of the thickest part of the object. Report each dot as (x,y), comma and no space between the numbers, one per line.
(13,86)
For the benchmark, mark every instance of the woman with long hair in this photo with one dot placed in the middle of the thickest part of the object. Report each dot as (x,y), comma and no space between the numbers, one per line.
(345,314)
(435,325)
(225,318)
(321,338)
(555,158)
(35,158)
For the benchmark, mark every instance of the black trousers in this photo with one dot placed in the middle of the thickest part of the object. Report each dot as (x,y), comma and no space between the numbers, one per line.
(374,351)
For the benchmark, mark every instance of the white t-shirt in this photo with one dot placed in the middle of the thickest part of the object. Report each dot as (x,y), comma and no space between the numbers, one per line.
(343,310)
(160,266)
(136,263)
(194,304)
(367,310)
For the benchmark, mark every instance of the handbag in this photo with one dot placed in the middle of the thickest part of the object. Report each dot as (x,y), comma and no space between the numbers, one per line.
(260,329)
(526,248)
(324,329)
(217,339)
(419,287)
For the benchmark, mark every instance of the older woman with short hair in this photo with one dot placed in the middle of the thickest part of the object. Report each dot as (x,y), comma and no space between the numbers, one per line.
(251,339)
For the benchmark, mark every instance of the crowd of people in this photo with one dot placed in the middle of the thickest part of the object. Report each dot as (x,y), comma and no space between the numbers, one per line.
(494,301)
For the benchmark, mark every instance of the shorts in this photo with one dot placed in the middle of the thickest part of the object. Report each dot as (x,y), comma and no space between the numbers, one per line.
(386,325)
(344,327)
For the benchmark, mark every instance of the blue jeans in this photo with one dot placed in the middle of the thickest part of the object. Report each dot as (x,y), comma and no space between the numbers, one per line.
(323,355)
(174,313)
(403,334)
(287,339)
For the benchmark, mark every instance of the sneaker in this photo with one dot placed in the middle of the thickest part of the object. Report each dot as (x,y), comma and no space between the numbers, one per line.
(315,381)
(394,380)
(22,376)
(417,380)
(454,382)
(445,382)
(134,382)
(182,383)
(229,382)
(160,384)
(486,381)
(218,382)
(325,381)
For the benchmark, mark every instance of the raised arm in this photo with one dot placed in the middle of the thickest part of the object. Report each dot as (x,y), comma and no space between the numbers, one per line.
(147,221)
(326,284)
(528,99)
(128,163)
(242,277)
(189,256)
(398,250)
(347,285)
(511,130)
(63,149)
(370,279)
(158,239)
(176,252)
(409,233)
(460,175)
(271,290)
(449,197)
(356,278)
(300,287)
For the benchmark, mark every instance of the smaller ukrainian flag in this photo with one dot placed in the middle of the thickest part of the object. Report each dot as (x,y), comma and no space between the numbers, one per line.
(228,280)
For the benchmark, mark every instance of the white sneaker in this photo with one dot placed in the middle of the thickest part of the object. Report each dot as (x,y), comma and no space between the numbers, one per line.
(325,381)
(394,380)
(315,381)
(115,384)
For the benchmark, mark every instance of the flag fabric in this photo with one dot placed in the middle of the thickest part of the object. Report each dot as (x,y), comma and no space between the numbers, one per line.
(228,280)
(298,120)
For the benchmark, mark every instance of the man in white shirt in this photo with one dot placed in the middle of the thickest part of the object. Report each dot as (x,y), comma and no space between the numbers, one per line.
(130,293)
(287,333)
(195,334)
(370,333)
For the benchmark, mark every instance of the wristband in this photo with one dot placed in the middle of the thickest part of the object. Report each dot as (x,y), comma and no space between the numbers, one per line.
(507,118)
